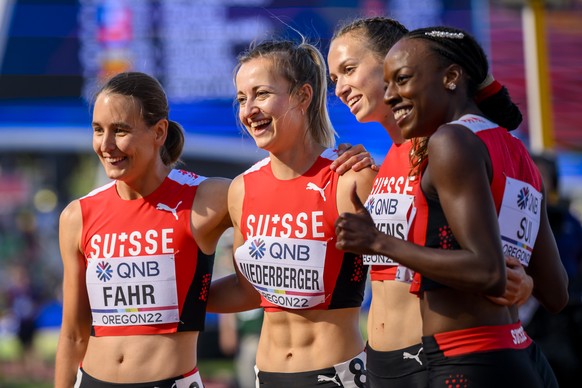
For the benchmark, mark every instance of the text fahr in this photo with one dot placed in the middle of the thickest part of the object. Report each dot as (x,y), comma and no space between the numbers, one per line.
(130,295)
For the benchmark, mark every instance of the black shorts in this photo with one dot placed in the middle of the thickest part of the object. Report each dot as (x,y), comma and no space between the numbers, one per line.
(191,378)
(351,373)
(403,368)
(484,357)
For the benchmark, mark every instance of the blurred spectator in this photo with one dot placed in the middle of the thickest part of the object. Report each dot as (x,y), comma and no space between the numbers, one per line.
(560,335)
(23,304)
(239,336)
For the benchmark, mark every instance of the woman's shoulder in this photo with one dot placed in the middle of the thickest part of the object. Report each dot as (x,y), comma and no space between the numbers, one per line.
(71,213)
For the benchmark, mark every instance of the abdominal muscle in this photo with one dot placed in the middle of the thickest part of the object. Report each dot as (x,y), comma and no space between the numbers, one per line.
(306,340)
(394,320)
(140,358)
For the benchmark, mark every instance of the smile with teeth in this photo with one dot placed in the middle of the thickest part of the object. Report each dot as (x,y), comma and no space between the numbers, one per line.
(398,114)
(259,123)
(353,100)
(114,160)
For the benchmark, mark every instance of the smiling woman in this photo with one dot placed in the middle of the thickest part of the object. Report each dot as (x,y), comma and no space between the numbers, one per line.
(283,210)
(138,251)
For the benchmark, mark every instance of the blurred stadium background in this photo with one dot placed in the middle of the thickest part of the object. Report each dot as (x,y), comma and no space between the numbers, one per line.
(54,53)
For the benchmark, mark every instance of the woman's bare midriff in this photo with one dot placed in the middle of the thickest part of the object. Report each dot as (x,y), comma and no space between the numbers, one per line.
(308,340)
(394,320)
(446,309)
(140,358)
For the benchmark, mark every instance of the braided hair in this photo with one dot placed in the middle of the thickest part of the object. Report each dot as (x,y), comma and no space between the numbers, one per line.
(453,45)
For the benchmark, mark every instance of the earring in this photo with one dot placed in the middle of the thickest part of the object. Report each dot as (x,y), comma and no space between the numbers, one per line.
(451,86)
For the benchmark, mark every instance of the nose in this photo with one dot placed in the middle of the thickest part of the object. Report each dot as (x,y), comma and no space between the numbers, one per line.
(341,87)
(248,111)
(107,141)
(390,95)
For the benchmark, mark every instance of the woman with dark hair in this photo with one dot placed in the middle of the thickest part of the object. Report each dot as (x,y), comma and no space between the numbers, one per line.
(137,252)
(479,196)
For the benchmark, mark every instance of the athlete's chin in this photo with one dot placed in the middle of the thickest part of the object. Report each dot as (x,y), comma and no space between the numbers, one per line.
(364,116)
(114,174)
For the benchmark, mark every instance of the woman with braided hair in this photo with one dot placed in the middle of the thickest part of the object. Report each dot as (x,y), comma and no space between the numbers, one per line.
(477,187)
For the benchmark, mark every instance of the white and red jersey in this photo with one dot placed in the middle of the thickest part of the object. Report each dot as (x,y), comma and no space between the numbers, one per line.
(145,273)
(516,186)
(289,253)
(391,205)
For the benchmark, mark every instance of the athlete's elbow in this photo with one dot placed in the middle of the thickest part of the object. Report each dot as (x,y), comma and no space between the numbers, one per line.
(555,302)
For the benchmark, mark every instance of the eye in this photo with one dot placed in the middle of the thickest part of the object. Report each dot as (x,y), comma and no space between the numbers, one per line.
(350,69)
(401,78)
(241,100)
(262,93)
(97,130)
(121,131)
(333,80)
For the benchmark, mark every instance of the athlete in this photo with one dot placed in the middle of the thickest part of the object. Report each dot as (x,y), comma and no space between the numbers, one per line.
(471,173)
(355,59)
(283,210)
(137,252)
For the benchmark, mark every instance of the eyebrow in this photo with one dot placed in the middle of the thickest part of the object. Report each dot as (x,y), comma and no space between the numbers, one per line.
(117,124)
(343,63)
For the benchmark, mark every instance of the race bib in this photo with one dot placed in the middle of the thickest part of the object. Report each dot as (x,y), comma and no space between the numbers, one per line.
(392,214)
(128,291)
(519,219)
(287,272)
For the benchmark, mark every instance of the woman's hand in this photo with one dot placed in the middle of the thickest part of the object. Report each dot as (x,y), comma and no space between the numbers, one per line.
(356,232)
(352,157)
(519,284)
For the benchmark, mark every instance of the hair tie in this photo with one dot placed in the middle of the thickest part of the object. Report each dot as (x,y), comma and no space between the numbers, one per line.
(487,88)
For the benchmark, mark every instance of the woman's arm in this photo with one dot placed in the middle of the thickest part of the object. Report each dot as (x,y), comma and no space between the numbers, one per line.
(210,217)
(233,293)
(458,175)
(76,323)
(546,268)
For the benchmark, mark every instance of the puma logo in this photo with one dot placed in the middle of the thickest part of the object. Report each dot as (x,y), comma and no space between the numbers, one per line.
(321,378)
(163,206)
(313,186)
(406,356)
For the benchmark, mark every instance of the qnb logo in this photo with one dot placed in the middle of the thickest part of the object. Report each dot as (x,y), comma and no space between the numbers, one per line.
(104,271)
(163,206)
(313,186)
(370,205)
(523,198)
(257,249)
